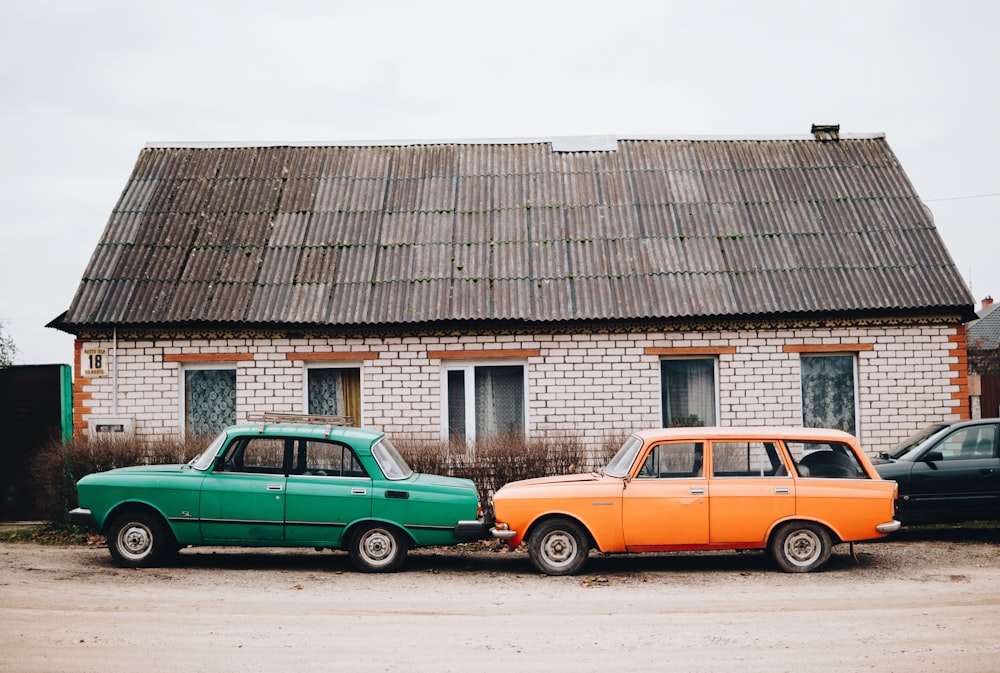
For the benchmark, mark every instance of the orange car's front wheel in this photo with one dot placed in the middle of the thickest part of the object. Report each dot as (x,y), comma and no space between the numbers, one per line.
(558,547)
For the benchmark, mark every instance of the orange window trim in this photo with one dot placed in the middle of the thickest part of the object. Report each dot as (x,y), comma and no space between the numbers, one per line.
(484,354)
(360,355)
(829,348)
(692,350)
(207,357)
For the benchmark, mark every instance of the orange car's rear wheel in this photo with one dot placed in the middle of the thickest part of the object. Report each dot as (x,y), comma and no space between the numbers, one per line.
(558,547)
(800,546)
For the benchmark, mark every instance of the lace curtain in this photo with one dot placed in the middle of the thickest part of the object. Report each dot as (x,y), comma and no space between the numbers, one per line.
(828,399)
(210,400)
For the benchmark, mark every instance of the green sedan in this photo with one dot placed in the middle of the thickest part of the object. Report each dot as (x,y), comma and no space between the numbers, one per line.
(281,485)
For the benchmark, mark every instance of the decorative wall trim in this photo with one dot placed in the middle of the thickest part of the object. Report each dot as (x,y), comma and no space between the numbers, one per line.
(467,328)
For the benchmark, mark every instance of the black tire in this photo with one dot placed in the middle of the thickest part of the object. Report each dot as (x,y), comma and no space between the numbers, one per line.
(138,539)
(378,548)
(558,547)
(800,546)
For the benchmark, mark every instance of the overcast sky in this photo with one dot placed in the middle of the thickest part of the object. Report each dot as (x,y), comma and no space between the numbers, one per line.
(85,85)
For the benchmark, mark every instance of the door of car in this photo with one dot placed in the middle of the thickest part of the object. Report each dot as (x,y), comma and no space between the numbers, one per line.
(327,489)
(750,489)
(243,498)
(957,478)
(666,503)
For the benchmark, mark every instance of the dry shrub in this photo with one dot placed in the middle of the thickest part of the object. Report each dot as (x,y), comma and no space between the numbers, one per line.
(494,461)
(57,467)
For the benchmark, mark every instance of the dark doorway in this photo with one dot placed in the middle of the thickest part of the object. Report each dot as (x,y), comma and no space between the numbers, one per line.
(35,409)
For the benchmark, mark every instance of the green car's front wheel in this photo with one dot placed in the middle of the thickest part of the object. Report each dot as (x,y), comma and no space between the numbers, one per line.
(378,548)
(138,539)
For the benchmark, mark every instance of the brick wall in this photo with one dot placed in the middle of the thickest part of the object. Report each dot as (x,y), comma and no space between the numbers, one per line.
(596,385)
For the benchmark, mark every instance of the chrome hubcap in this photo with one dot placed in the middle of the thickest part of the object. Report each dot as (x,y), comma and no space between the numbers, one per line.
(802,548)
(559,548)
(377,546)
(135,541)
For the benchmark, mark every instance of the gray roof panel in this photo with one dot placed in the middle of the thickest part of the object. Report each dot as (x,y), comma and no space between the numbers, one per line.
(421,233)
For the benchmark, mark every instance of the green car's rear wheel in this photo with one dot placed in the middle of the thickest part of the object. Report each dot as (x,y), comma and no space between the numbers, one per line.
(378,548)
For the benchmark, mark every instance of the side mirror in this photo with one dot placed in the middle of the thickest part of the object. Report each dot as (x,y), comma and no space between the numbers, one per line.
(932,456)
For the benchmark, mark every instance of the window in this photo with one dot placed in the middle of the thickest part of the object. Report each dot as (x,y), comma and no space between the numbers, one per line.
(326,459)
(747,459)
(828,397)
(974,442)
(484,400)
(209,400)
(825,459)
(255,455)
(665,461)
(335,391)
(688,392)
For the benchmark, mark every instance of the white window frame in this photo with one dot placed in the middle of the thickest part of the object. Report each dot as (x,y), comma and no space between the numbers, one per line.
(715,383)
(345,364)
(855,362)
(182,388)
(469,368)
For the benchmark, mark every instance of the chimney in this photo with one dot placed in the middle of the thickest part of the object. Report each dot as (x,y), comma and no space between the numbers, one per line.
(987,302)
(826,132)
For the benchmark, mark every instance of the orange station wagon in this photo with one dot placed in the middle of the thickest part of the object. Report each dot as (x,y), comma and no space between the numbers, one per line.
(796,492)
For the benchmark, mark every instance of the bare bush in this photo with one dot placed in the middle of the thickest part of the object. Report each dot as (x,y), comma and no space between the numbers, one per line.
(57,467)
(494,461)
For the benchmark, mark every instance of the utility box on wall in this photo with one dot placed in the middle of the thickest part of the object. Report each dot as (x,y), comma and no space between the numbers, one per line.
(104,427)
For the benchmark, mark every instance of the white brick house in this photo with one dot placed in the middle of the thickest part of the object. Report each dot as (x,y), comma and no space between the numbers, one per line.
(466,288)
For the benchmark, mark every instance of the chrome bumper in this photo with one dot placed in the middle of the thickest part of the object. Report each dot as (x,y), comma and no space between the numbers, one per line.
(502,533)
(82,517)
(890,527)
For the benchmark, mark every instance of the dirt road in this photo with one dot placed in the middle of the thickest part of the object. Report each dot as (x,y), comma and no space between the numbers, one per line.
(922,602)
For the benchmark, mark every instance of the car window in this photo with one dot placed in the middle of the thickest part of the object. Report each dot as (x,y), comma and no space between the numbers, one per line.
(675,460)
(256,455)
(747,459)
(388,458)
(915,440)
(326,459)
(969,443)
(825,459)
(207,457)
(621,464)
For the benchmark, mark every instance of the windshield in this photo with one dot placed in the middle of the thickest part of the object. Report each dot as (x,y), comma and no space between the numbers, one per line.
(915,440)
(388,458)
(204,460)
(622,462)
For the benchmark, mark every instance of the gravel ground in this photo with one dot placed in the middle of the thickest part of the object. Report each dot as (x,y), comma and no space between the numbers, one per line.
(919,601)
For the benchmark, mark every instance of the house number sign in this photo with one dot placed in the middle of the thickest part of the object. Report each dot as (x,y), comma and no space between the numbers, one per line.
(95,362)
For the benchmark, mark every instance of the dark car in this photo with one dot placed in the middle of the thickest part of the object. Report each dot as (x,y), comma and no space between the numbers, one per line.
(947,473)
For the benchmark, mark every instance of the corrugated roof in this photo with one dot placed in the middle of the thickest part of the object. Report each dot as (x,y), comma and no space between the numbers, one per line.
(382,234)
(984,333)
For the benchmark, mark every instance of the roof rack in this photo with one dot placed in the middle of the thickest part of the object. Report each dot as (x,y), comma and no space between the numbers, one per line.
(309,419)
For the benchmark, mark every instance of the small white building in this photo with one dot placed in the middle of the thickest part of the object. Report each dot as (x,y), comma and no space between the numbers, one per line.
(583,287)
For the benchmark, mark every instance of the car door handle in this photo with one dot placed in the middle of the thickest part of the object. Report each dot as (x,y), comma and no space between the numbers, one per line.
(697,491)
(274,487)
(782,489)
(359,491)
